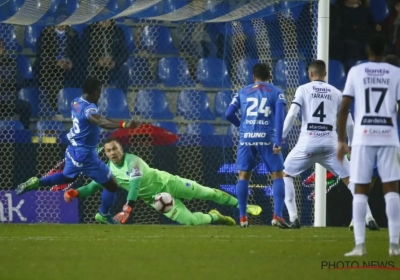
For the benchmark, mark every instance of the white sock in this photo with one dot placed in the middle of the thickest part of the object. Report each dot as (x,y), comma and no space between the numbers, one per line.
(368,216)
(290,198)
(360,202)
(392,200)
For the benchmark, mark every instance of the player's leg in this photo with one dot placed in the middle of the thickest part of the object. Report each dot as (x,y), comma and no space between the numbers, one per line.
(183,216)
(245,162)
(389,169)
(101,173)
(342,170)
(362,164)
(68,175)
(274,163)
(187,189)
(295,163)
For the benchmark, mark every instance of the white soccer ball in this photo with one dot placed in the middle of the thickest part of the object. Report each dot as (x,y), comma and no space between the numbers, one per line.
(163,202)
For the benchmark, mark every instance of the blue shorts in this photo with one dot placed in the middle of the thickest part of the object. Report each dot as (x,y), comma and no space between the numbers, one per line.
(78,160)
(246,158)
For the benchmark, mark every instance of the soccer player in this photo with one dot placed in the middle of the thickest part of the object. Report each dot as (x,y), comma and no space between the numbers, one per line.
(262,107)
(375,88)
(141,181)
(320,103)
(81,155)
(395,61)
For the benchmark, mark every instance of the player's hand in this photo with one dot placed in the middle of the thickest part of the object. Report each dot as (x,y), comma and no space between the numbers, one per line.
(276,149)
(343,149)
(131,124)
(123,216)
(70,194)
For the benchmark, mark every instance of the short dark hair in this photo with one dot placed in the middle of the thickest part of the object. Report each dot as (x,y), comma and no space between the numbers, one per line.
(377,45)
(262,71)
(90,85)
(318,67)
(112,139)
(393,59)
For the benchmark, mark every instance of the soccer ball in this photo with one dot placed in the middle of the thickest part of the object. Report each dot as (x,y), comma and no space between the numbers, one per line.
(163,202)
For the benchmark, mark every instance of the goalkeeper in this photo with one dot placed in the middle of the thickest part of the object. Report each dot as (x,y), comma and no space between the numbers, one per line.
(144,182)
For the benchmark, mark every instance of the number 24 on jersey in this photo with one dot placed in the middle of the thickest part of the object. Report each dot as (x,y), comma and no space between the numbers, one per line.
(255,108)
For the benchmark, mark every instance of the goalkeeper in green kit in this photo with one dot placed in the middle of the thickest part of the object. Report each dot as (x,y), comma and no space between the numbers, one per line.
(144,182)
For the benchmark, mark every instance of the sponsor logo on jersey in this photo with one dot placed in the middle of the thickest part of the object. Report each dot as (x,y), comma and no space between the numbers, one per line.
(255,143)
(377,121)
(254,135)
(281,96)
(321,89)
(378,131)
(376,72)
(74,162)
(321,134)
(319,127)
(256,122)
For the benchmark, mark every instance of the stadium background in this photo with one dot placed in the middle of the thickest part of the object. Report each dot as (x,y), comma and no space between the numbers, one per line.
(176,64)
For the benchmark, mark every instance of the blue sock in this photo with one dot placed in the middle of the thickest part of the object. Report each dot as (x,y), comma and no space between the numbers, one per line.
(54,179)
(278,189)
(107,201)
(242,192)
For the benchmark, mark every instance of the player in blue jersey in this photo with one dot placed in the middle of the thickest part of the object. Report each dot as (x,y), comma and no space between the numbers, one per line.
(262,107)
(81,155)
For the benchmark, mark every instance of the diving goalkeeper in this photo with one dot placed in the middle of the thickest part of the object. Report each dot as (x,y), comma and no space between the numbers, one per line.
(144,182)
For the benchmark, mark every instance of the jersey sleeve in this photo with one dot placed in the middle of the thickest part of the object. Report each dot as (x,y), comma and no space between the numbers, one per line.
(280,97)
(91,110)
(298,97)
(398,89)
(349,86)
(135,176)
(236,100)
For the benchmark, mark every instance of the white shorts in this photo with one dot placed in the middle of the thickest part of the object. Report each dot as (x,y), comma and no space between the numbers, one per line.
(363,160)
(301,158)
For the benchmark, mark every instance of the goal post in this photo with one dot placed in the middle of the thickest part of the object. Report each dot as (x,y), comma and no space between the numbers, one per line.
(170,63)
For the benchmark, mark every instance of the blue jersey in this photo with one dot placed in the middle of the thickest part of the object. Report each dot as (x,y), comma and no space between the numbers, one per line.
(83,133)
(257,103)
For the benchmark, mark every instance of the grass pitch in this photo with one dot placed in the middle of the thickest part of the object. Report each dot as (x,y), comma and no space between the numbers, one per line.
(178,252)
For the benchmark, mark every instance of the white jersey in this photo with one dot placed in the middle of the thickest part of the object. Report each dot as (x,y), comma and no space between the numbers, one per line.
(319,102)
(375,87)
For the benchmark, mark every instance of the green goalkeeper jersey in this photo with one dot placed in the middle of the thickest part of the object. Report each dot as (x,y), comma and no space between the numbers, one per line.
(148,181)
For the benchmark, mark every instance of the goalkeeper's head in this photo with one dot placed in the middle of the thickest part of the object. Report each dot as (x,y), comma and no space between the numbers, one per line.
(376,48)
(113,151)
(317,70)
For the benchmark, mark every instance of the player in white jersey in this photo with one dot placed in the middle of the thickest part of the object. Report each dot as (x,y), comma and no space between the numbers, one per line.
(375,88)
(319,102)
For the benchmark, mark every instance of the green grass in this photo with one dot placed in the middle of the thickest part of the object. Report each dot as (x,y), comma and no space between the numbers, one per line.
(178,252)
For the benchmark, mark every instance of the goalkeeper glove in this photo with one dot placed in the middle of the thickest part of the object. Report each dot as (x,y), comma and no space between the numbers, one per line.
(123,216)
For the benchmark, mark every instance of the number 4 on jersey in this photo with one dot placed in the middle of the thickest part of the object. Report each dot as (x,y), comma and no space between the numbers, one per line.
(319,113)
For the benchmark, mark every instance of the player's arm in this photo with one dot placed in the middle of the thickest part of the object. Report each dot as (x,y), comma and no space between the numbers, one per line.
(111,124)
(135,180)
(230,113)
(292,113)
(342,117)
(349,129)
(280,105)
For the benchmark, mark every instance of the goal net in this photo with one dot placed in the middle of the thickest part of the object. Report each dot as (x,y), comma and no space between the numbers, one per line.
(172,63)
